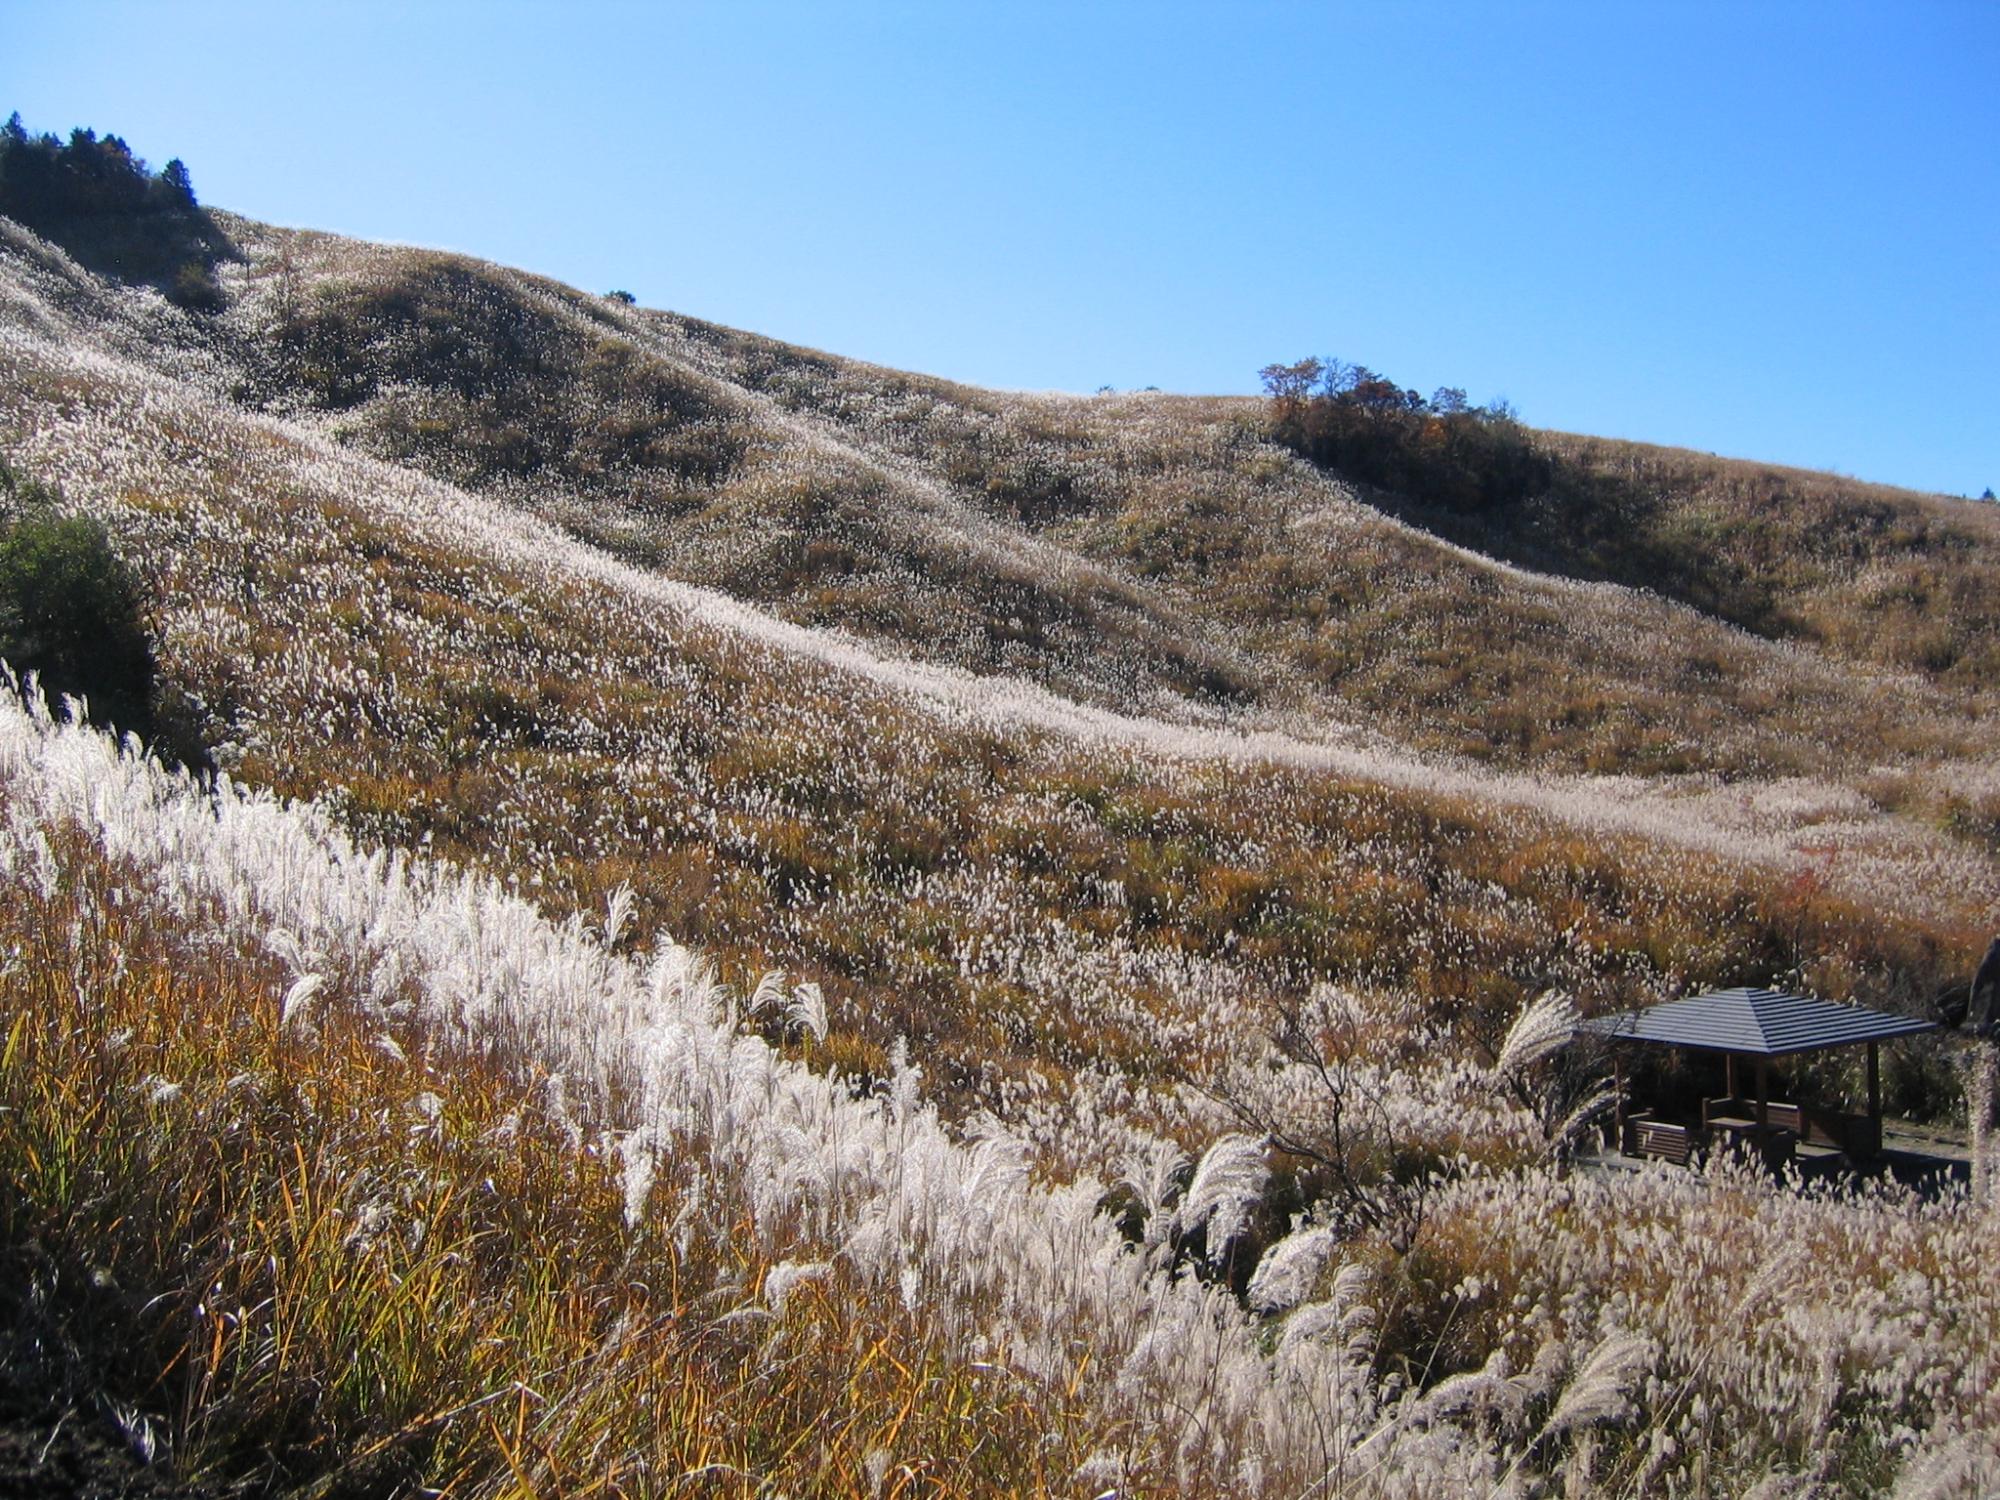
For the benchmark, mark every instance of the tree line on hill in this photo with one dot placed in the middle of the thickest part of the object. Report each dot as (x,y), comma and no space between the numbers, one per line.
(1440,450)
(107,208)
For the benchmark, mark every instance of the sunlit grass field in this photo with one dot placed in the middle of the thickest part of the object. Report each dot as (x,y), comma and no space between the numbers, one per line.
(1014,765)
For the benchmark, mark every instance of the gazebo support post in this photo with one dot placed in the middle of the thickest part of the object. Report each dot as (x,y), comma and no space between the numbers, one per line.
(1729,1072)
(1763,1096)
(1875,1082)
(1618,1098)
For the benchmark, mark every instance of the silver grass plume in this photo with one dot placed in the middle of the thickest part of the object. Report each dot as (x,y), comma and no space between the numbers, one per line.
(637,1175)
(160,1090)
(1601,1390)
(1151,1174)
(875,1464)
(555,1108)
(1344,1319)
(1774,1277)
(1543,1029)
(1979,1095)
(807,1010)
(905,1086)
(1590,1109)
(298,1000)
(1950,1467)
(783,1278)
(999,1164)
(1225,1188)
(617,912)
(287,945)
(769,994)
(1290,1268)
(1493,1390)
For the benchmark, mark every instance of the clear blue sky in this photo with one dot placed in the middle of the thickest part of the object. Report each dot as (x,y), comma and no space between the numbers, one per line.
(1767,230)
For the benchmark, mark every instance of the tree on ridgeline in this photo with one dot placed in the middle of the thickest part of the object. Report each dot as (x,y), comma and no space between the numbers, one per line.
(1440,450)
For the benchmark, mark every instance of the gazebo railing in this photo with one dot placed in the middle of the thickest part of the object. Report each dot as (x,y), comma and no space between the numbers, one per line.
(1859,1136)
(1646,1135)
(1671,1140)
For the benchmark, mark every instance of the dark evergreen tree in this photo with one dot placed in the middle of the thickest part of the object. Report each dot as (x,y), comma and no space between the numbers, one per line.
(97,200)
(178,186)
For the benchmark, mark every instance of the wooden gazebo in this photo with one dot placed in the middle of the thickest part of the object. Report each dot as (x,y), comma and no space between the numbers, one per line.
(1755,1025)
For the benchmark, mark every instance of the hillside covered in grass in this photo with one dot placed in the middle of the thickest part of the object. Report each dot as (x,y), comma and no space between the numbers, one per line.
(1165,554)
(818,865)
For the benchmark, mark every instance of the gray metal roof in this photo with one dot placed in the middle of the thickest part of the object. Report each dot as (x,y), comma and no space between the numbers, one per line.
(1761,1023)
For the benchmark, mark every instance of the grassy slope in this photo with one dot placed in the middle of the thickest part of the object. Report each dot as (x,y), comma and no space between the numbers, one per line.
(1155,552)
(1336,604)
(1065,924)
(1033,908)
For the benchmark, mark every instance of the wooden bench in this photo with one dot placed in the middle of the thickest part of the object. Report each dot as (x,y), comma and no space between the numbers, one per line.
(1646,1135)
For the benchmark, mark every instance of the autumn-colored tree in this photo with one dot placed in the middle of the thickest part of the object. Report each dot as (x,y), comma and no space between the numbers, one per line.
(1442,451)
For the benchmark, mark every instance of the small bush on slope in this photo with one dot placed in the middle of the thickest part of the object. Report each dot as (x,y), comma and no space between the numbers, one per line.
(72,613)
(1439,451)
(69,608)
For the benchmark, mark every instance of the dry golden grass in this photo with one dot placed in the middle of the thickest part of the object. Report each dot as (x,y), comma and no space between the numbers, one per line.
(1066,927)
(321,1252)
(1148,549)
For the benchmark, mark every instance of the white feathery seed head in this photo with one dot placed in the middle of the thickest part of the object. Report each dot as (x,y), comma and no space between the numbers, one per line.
(1543,1029)
(1600,1391)
(807,1010)
(617,912)
(299,999)
(1289,1270)
(785,1277)
(1226,1186)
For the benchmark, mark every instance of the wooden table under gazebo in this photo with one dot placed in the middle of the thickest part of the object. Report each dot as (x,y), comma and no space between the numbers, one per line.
(1754,1025)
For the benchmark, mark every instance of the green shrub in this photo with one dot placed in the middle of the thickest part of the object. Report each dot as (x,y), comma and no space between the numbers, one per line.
(70,609)
(195,288)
